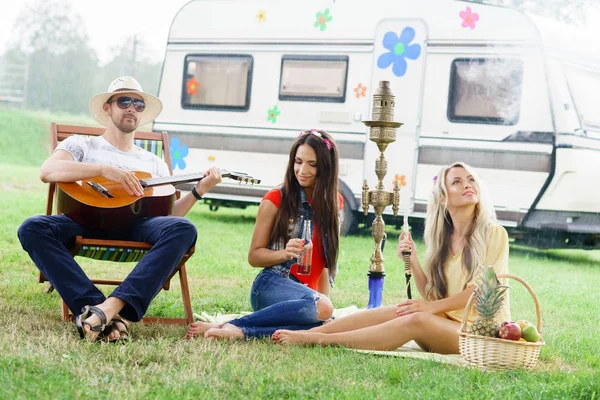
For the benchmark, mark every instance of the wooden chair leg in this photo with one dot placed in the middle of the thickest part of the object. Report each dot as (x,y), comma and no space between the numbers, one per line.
(185,294)
(65,310)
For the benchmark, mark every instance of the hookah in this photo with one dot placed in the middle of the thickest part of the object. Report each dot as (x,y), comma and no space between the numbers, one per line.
(382,131)
(406,254)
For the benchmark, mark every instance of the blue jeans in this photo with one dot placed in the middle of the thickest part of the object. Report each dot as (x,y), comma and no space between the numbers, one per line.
(48,238)
(278,303)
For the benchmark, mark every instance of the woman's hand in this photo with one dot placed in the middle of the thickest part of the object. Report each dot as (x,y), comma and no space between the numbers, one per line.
(405,243)
(293,248)
(413,306)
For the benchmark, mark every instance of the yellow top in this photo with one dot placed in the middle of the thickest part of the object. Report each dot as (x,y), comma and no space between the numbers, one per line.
(456,278)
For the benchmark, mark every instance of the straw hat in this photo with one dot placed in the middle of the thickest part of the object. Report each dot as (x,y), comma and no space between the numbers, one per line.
(124,85)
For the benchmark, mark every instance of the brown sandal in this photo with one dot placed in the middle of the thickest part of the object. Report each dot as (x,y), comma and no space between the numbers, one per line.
(87,312)
(120,325)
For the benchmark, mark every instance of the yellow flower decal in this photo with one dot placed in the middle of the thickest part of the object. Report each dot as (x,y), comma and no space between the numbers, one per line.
(261,16)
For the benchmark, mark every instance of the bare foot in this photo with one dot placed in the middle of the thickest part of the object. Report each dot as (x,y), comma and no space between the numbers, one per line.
(120,329)
(199,328)
(284,336)
(111,333)
(228,331)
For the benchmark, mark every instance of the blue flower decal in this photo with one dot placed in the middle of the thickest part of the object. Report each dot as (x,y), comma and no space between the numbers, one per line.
(399,50)
(178,153)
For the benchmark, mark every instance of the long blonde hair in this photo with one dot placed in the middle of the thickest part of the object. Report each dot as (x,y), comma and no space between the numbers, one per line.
(439,228)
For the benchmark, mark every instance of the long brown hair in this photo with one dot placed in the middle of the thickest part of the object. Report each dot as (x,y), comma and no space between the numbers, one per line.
(325,194)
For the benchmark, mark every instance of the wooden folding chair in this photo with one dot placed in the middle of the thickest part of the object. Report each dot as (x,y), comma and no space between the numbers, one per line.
(119,250)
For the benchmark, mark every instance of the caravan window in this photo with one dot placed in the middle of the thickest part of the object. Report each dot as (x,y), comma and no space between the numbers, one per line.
(217,82)
(584,84)
(313,78)
(486,91)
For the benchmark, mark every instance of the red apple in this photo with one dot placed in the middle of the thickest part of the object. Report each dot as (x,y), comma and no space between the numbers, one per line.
(510,331)
(505,322)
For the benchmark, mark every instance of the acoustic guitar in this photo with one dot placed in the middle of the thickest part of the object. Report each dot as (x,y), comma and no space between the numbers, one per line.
(98,203)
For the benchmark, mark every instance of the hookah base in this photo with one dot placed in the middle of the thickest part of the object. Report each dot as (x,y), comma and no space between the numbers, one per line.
(375,289)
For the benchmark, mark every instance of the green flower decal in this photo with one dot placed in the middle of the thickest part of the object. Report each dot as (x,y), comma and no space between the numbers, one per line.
(322,19)
(273,114)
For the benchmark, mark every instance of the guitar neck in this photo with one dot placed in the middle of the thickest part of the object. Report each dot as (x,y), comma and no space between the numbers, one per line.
(172,180)
(198,176)
(177,179)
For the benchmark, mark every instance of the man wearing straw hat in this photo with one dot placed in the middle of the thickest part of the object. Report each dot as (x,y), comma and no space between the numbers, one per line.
(113,155)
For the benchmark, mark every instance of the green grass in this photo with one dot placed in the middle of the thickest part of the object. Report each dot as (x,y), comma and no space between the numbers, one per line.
(42,357)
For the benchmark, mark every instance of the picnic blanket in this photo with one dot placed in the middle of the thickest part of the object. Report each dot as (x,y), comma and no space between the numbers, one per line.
(409,350)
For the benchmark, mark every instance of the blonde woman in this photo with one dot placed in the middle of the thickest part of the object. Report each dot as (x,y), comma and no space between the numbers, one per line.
(461,234)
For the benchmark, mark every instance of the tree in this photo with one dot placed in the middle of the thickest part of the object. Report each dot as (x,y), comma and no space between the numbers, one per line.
(569,11)
(63,68)
(129,59)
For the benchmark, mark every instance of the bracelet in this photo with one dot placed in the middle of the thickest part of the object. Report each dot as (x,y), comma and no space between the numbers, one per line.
(196,194)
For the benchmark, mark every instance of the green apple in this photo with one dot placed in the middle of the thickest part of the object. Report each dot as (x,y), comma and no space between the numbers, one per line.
(530,333)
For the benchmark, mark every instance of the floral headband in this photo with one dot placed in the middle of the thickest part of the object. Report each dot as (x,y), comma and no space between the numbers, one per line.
(319,134)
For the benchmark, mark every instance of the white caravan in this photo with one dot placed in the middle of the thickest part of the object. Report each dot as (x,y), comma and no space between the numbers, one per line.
(514,96)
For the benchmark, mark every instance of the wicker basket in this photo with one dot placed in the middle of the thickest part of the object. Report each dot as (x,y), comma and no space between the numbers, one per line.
(500,354)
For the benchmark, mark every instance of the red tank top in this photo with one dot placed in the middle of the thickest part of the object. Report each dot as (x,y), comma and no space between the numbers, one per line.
(318,256)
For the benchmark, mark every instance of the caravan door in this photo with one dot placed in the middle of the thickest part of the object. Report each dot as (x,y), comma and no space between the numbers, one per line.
(399,57)
(487,104)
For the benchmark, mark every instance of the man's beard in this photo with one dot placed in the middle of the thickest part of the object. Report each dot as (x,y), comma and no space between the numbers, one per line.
(123,126)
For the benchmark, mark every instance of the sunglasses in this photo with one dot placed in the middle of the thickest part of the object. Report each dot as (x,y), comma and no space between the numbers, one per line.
(125,102)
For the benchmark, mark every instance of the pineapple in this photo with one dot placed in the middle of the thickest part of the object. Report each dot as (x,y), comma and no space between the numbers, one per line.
(489,296)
